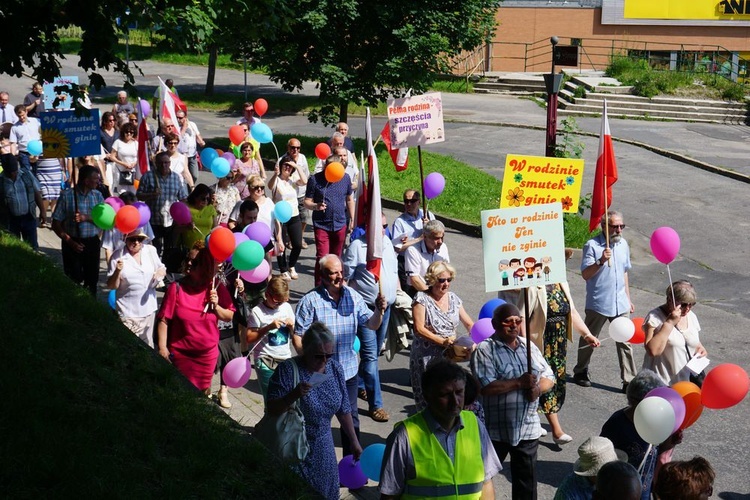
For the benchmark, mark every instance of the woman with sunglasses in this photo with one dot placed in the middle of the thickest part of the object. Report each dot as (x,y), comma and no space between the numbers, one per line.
(125,157)
(315,381)
(244,167)
(284,188)
(178,161)
(134,273)
(203,213)
(437,313)
(672,334)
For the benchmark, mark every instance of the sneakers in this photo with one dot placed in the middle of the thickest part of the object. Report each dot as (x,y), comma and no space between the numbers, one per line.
(379,415)
(285,276)
(293,274)
(582,379)
(224,398)
(564,439)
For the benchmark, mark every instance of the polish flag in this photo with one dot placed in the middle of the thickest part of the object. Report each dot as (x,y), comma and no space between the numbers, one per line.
(374,229)
(399,156)
(170,103)
(143,142)
(605,176)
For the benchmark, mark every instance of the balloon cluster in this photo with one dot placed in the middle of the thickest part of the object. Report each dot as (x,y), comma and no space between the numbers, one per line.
(354,475)
(114,213)
(483,329)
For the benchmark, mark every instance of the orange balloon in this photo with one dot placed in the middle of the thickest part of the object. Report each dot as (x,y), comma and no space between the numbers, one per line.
(639,337)
(691,395)
(127,219)
(260,106)
(334,172)
(136,183)
(221,243)
(236,134)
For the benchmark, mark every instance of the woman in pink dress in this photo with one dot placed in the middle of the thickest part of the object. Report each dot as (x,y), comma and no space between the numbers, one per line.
(188,319)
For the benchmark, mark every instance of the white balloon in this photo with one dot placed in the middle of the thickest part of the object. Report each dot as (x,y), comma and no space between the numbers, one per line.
(654,420)
(621,329)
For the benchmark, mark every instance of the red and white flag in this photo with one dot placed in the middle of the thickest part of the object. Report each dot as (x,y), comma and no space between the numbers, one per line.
(399,156)
(605,176)
(143,142)
(360,210)
(374,228)
(170,103)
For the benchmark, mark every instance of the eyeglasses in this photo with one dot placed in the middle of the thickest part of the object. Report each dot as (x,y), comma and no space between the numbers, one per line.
(258,188)
(323,357)
(295,147)
(512,321)
(617,226)
(686,305)
(443,280)
(411,200)
(172,143)
(128,132)
(134,240)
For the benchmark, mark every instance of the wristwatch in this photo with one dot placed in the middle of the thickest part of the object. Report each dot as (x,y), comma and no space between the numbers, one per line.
(599,262)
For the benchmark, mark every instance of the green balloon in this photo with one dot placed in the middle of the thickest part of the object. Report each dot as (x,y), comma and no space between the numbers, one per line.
(248,255)
(236,151)
(104,216)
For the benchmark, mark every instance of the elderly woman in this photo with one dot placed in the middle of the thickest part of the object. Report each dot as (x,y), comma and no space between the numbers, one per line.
(244,167)
(620,429)
(134,272)
(284,188)
(187,328)
(437,313)
(672,334)
(203,213)
(321,391)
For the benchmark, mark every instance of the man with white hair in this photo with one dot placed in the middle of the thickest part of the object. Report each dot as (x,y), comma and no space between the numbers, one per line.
(122,108)
(420,255)
(7,115)
(343,129)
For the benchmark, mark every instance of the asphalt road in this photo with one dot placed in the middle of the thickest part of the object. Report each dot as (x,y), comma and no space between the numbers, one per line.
(708,211)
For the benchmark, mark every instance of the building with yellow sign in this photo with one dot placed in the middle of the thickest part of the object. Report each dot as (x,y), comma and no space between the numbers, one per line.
(702,35)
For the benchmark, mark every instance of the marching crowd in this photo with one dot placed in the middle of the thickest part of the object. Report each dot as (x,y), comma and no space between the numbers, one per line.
(468,419)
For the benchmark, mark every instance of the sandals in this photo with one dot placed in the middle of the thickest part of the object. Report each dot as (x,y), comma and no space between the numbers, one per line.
(379,415)
(362,394)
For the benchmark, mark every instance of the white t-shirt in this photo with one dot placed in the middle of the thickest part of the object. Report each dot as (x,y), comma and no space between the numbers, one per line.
(276,343)
(670,364)
(136,295)
(286,191)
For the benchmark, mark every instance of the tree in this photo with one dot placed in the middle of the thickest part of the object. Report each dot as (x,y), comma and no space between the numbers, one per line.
(364,51)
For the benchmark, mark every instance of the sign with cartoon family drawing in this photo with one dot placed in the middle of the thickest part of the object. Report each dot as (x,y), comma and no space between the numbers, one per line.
(536,180)
(523,247)
(417,120)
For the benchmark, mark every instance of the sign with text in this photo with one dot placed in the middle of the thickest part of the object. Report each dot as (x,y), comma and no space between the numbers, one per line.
(682,9)
(523,247)
(416,121)
(535,180)
(66,135)
(59,90)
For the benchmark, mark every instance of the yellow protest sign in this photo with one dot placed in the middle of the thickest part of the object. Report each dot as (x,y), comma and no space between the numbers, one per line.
(536,180)
(686,9)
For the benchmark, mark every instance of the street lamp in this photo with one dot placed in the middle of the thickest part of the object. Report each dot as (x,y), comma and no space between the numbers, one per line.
(552,84)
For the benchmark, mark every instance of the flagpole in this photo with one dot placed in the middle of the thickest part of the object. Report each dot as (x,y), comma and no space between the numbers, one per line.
(528,335)
(606,203)
(421,180)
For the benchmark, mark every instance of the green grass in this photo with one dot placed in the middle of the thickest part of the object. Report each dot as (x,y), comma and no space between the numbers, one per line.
(91,412)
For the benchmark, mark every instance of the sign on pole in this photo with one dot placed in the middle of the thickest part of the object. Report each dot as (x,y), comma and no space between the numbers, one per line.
(523,247)
(535,180)
(59,90)
(416,121)
(66,135)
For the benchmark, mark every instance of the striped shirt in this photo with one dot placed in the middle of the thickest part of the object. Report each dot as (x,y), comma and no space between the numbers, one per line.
(65,212)
(509,417)
(341,318)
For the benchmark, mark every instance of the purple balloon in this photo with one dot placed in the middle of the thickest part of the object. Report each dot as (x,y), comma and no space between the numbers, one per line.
(239,238)
(144,212)
(433,185)
(350,473)
(259,231)
(482,330)
(237,372)
(145,107)
(115,202)
(180,213)
(674,399)
(229,156)
(258,274)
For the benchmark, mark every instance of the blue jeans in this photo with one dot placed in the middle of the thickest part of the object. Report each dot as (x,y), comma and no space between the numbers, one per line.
(369,375)
(24,226)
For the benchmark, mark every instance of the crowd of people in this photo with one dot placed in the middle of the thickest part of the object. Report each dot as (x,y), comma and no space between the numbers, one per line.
(466,420)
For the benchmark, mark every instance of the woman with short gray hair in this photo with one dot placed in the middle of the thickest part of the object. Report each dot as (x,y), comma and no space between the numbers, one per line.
(672,334)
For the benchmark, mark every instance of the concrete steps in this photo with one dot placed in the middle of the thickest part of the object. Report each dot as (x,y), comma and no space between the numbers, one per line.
(516,85)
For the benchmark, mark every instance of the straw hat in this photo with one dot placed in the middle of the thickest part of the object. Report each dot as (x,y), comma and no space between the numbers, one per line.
(595,452)
(138,233)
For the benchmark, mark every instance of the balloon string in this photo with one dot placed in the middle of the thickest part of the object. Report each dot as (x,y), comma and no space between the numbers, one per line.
(278,158)
(671,288)
(645,457)
(591,347)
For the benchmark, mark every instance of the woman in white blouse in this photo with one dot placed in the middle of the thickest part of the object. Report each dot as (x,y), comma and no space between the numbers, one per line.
(284,188)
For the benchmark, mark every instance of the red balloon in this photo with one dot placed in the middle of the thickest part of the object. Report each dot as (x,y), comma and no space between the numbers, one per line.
(334,172)
(322,151)
(127,219)
(639,337)
(221,243)
(260,106)
(236,134)
(725,386)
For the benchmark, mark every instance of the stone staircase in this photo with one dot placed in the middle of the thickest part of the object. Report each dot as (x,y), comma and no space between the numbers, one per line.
(512,83)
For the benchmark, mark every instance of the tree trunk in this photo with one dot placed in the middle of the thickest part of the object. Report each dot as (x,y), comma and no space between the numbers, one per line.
(343,110)
(213,55)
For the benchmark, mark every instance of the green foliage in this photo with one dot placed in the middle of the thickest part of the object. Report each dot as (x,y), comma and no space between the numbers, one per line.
(569,144)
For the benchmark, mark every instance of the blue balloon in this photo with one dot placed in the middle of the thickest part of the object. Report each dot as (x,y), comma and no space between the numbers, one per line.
(261,133)
(220,167)
(489,308)
(34,147)
(208,155)
(283,211)
(371,460)
(112,299)
(356,344)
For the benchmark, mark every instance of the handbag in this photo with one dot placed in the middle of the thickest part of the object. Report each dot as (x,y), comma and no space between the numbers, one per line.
(699,378)
(284,435)
(126,177)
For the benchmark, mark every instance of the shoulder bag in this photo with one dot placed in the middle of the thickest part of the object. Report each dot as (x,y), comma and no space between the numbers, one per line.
(696,379)
(284,435)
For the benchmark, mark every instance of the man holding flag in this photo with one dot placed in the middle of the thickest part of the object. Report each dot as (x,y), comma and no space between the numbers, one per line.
(604,266)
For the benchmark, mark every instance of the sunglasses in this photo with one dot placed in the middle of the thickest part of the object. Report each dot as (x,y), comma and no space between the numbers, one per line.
(295,147)
(134,240)
(686,305)
(323,357)
(173,143)
(411,200)
(442,280)
(258,188)
(617,226)
(511,322)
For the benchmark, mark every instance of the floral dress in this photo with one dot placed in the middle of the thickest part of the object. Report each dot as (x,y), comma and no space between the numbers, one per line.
(442,323)
(226,199)
(555,347)
(320,468)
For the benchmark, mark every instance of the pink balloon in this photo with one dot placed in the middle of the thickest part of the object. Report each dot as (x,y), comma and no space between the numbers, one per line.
(260,232)
(237,372)
(258,274)
(115,202)
(229,156)
(180,213)
(350,473)
(665,244)
(434,185)
(482,330)
(674,399)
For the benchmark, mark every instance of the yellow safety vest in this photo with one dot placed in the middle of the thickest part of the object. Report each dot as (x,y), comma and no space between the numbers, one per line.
(437,475)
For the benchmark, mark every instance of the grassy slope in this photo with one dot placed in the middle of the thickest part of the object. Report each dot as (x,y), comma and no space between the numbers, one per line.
(91,412)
